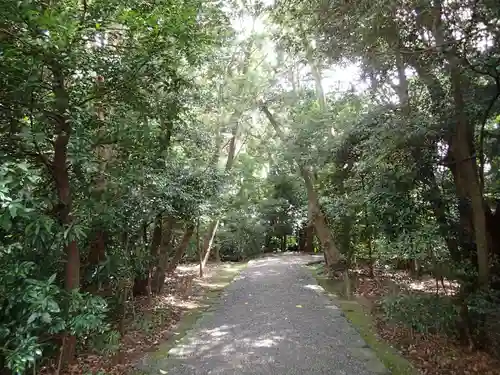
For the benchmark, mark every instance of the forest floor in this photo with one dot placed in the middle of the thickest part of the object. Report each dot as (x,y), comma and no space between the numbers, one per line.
(272,319)
(185,295)
(429,354)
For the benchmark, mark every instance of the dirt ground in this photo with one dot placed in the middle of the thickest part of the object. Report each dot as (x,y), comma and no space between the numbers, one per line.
(150,324)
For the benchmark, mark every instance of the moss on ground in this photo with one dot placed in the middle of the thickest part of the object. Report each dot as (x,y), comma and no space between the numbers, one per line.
(363,321)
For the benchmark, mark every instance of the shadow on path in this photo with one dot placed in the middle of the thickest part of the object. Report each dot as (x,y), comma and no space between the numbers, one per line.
(273,319)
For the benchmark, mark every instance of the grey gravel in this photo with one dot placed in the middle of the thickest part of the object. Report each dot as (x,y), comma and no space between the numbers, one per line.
(273,319)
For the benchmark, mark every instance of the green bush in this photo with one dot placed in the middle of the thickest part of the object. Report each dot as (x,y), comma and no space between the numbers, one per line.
(33,310)
(242,237)
(422,313)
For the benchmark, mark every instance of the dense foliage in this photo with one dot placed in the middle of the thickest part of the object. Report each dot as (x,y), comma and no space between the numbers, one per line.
(128,127)
(410,172)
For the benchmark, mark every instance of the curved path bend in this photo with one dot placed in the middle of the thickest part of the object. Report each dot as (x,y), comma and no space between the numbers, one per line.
(273,319)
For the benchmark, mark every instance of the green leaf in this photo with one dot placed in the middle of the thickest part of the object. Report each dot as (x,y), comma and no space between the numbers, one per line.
(6,222)
(23,166)
(53,306)
(52,278)
(32,318)
(46,318)
(13,210)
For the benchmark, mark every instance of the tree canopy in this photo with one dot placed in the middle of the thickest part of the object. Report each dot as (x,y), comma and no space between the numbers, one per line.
(129,126)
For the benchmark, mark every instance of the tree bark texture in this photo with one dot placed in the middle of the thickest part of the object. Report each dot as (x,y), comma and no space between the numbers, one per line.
(181,248)
(60,174)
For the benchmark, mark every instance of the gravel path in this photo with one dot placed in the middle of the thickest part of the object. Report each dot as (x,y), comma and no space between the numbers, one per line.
(274,320)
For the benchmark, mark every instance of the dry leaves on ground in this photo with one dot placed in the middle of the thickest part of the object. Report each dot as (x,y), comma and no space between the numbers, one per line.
(430,354)
(151,326)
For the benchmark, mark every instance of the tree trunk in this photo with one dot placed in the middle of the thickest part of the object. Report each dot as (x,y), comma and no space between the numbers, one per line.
(61,178)
(316,216)
(465,232)
(208,241)
(402,87)
(156,238)
(267,245)
(332,255)
(154,252)
(162,256)
(103,153)
(460,146)
(181,248)
(232,148)
(97,251)
(142,283)
(370,258)
(198,247)
(316,73)
(466,171)
(309,231)
(217,254)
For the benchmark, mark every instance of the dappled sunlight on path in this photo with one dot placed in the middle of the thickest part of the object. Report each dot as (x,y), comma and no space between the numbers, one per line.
(273,319)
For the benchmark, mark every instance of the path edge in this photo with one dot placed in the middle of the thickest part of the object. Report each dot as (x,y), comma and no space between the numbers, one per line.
(188,322)
(364,324)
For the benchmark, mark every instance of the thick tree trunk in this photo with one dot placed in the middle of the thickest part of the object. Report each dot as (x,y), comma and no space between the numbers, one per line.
(316,216)
(461,148)
(181,248)
(402,87)
(232,148)
(332,254)
(103,155)
(403,84)
(208,241)
(142,283)
(165,246)
(467,175)
(465,231)
(61,177)
(217,254)
(154,252)
(159,251)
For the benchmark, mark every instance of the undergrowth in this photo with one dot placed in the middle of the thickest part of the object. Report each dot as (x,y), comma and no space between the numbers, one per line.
(364,323)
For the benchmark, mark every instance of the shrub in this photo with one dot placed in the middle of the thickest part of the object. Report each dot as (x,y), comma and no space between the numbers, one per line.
(422,313)
(33,312)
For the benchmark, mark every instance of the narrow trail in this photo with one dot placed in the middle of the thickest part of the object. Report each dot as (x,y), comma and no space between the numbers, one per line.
(273,319)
